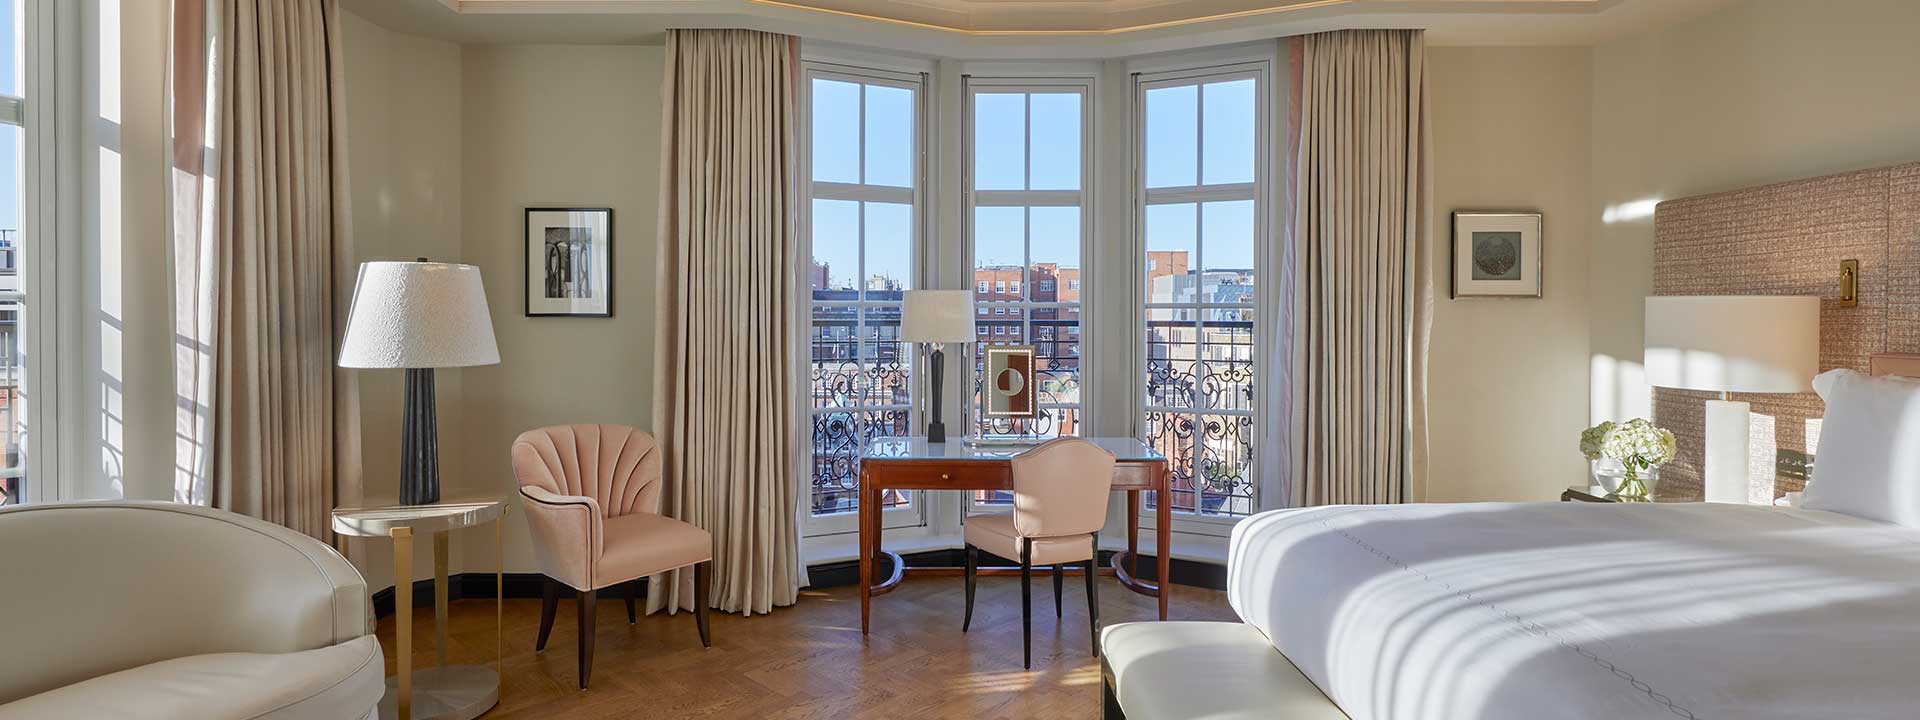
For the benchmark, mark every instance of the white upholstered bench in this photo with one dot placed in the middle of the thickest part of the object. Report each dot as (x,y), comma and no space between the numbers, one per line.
(1212,670)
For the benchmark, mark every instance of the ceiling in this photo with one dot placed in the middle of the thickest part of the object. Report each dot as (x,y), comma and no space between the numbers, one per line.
(1028,29)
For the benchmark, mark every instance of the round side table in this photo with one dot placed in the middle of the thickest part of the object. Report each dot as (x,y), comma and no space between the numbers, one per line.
(443,692)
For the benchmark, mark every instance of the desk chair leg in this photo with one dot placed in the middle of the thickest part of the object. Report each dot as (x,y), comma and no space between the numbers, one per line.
(549,602)
(702,577)
(586,636)
(1026,601)
(1093,597)
(1059,577)
(633,591)
(973,566)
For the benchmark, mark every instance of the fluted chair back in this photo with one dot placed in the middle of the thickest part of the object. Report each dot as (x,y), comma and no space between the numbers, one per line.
(617,466)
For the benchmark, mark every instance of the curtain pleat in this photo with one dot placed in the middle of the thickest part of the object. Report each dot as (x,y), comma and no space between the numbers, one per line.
(1360,236)
(726,378)
(260,222)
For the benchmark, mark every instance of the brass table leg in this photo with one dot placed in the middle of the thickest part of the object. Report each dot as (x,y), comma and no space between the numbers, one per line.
(403,616)
(500,595)
(440,596)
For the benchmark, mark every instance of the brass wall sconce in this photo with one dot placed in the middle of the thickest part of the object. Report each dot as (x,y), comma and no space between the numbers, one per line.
(1849,283)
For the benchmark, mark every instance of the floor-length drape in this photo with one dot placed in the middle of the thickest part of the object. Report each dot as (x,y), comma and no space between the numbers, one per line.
(725,389)
(1361,238)
(255,269)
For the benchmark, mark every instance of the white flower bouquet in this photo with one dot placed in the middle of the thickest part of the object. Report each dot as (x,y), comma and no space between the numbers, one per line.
(1593,439)
(1639,446)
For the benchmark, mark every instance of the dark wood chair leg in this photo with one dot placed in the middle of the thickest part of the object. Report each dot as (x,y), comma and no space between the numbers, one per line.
(1093,596)
(550,601)
(633,591)
(1026,601)
(973,566)
(1059,579)
(702,577)
(586,635)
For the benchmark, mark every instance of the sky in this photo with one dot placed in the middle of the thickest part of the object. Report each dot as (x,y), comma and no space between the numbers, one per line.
(1196,134)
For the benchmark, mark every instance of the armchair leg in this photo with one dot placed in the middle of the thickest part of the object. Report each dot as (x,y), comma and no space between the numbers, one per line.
(1026,601)
(973,565)
(633,591)
(550,601)
(1093,596)
(1059,577)
(586,636)
(702,577)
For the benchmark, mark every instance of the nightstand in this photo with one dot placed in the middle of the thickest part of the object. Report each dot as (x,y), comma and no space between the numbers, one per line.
(1596,494)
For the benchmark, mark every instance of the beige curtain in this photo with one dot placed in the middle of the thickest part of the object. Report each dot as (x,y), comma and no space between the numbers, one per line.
(260,219)
(725,388)
(1363,298)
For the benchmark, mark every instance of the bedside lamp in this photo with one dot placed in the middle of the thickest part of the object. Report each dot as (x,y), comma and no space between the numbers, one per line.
(1730,344)
(935,317)
(418,316)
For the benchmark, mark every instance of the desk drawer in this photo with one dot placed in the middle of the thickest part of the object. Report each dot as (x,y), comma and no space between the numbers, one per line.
(935,475)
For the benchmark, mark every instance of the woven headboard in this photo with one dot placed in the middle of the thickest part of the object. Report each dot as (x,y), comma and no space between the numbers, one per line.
(1789,239)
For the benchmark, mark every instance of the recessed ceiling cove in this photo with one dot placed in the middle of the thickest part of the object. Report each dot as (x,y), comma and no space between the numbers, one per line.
(1102,17)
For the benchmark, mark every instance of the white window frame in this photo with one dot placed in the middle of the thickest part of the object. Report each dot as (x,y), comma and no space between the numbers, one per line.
(990,81)
(1203,68)
(50,75)
(846,524)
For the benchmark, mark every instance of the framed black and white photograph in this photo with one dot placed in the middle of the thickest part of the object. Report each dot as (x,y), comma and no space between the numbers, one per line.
(569,262)
(1496,254)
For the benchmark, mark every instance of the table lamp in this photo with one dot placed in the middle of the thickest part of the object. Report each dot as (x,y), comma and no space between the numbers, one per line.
(936,317)
(1730,344)
(418,316)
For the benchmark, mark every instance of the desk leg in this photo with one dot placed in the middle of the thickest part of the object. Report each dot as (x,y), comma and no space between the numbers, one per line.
(403,616)
(1163,534)
(440,596)
(1133,533)
(869,544)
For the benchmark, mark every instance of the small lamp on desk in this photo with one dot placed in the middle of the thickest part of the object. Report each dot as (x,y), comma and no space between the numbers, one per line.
(418,316)
(936,317)
(1730,344)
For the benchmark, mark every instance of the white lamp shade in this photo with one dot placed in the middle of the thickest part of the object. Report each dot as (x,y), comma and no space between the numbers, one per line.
(418,315)
(1760,344)
(938,316)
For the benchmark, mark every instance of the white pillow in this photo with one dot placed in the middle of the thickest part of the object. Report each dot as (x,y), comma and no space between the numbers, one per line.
(1868,462)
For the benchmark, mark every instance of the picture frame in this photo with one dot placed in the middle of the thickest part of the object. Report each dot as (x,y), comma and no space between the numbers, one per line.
(1008,390)
(568,262)
(1497,254)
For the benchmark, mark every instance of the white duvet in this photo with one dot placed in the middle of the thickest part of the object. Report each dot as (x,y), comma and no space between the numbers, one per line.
(1581,610)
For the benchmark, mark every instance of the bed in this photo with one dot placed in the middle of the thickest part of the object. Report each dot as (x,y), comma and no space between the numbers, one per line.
(1578,610)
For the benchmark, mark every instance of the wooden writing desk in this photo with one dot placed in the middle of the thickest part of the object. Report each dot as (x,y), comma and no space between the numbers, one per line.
(915,464)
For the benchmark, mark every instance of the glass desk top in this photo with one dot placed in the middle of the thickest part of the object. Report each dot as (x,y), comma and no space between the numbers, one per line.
(1124,449)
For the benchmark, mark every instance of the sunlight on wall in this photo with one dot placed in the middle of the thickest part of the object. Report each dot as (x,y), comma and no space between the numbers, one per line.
(1617,390)
(1629,211)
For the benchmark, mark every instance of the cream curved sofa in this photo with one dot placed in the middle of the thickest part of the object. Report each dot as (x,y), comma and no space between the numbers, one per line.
(160,610)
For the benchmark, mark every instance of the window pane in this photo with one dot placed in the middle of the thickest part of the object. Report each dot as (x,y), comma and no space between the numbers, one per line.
(1170,244)
(999,141)
(1171,434)
(834,376)
(1227,251)
(883,358)
(1172,136)
(889,249)
(836,131)
(1226,354)
(1226,477)
(836,249)
(1056,250)
(1172,349)
(889,136)
(1056,141)
(1230,116)
(999,250)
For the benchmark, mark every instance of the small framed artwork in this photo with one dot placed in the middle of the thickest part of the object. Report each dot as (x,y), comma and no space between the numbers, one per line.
(1496,254)
(1009,386)
(569,262)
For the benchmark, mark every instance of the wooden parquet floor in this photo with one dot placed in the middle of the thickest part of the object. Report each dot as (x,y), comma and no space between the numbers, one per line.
(808,661)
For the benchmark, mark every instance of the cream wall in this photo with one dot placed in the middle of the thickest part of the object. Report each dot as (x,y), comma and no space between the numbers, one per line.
(1757,92)
(404,130)
(1508,377)
(557,126)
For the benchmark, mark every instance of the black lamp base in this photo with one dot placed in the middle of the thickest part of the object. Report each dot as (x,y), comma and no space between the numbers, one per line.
(419,442)
(937,430)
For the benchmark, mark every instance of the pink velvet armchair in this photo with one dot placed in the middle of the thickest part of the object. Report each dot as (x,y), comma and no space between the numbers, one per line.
(592,496)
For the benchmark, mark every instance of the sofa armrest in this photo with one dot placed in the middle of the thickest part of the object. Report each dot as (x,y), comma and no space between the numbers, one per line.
(568,534)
